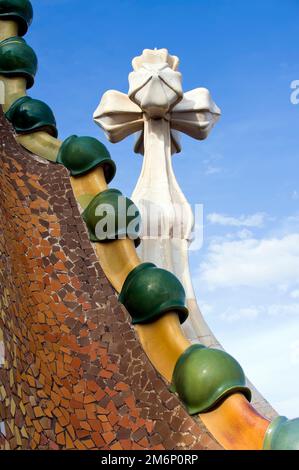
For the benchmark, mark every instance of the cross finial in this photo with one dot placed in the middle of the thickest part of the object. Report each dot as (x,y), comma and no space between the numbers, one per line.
(156,92)
(157,108)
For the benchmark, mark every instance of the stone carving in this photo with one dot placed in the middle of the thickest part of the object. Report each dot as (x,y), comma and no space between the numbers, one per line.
(156,108)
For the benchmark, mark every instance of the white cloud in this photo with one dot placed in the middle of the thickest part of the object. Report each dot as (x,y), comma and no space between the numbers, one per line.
(265,357)
(244,233)
(235,314)
(255,309)
(295,294)
(287,225)
(212,170)
(295,195)
(232,315)
(254,220)
(251,262)
(292,220)
(206,308)
(282,310)
(211,164)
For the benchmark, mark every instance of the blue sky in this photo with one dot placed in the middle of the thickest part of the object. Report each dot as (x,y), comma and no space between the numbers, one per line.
(245,174)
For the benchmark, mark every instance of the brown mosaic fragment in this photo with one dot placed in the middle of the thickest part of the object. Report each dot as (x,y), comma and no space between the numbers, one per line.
(75,376)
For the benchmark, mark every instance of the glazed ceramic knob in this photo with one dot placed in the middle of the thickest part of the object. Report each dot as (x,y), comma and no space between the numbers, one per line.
(111,216)
(19,11)
(28,115)
(203,376)
(82,154)
(150,292)
(282,434)
(17,59)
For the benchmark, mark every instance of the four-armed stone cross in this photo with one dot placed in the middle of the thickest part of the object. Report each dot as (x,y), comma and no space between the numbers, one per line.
(156,108)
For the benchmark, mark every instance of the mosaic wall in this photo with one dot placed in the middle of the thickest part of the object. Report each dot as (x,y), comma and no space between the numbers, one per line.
(72,372)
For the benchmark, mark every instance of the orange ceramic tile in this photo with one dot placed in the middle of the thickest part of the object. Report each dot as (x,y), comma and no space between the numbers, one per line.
(69,342)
